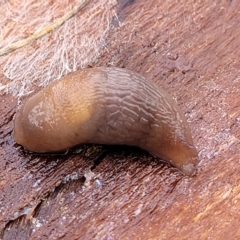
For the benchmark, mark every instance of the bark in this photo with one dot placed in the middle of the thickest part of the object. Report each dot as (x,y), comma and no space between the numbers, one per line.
(109,192)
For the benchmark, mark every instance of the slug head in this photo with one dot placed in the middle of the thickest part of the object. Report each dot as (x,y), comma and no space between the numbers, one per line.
(54,119)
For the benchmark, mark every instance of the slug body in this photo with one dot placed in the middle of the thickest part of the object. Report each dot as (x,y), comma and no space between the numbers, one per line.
(106,106)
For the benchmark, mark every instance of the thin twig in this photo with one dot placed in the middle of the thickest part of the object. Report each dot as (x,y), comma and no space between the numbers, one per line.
(49,28)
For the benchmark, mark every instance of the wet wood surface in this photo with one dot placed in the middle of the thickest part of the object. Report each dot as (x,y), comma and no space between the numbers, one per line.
(120,192)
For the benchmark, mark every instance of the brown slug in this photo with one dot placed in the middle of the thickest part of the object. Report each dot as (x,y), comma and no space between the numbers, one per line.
(106,106)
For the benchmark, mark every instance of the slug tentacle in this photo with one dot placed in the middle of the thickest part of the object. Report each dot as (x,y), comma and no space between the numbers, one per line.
(106,106)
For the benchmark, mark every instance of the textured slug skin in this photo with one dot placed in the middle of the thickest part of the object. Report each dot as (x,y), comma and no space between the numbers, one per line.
(106,106)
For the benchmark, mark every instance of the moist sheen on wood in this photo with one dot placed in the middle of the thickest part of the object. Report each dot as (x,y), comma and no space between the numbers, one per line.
(106,106)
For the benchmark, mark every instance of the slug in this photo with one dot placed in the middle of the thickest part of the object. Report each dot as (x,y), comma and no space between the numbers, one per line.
(106,105)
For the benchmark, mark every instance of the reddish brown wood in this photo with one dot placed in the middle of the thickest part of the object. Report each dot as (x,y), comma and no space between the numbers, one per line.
(104,192)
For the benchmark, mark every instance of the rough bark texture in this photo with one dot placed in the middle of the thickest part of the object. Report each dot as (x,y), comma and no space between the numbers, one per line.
(106,192)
